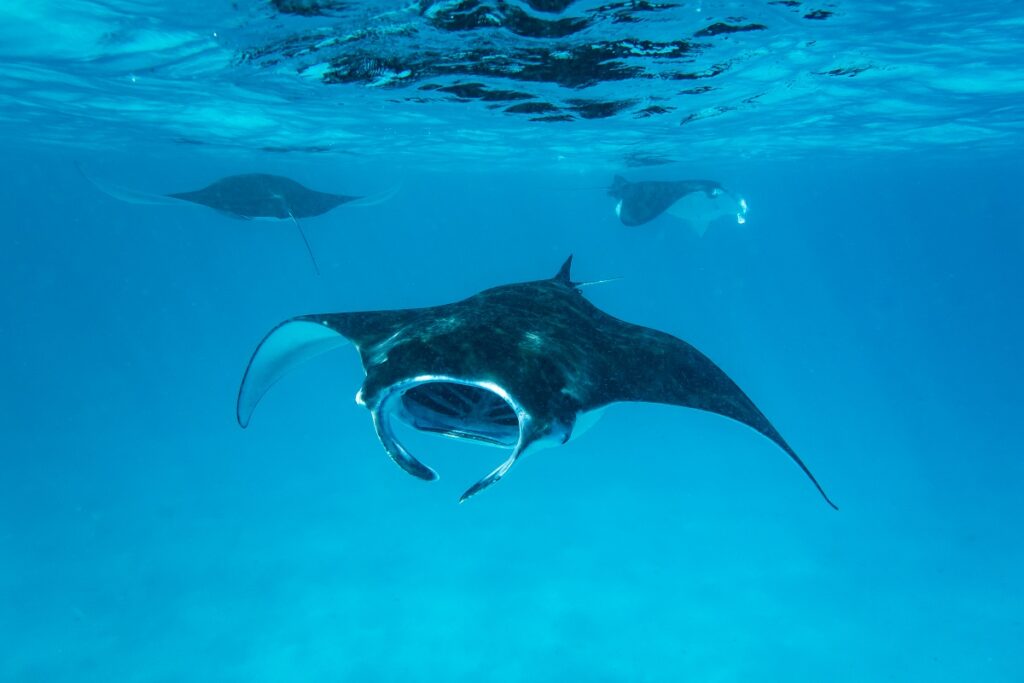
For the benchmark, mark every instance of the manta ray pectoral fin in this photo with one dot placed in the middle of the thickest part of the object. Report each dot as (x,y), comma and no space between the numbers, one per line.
(663,369)
(375,199)
(286,346)
(126,195)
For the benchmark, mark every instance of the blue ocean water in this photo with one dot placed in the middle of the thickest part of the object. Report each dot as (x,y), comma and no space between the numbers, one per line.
(870,305)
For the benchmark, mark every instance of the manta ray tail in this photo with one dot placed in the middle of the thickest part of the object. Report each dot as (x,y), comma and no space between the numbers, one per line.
(591,283)
(302,233)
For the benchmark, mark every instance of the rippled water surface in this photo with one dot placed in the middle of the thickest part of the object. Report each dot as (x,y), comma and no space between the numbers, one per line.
(520,82)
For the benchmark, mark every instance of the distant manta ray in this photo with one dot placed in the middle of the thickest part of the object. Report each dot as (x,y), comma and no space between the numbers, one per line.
(516,366)
(643,201)
(250,196)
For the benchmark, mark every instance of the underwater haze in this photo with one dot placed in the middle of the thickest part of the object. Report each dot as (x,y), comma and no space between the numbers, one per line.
(869,303)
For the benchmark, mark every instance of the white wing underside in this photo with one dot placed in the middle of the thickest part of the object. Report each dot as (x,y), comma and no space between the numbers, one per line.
(287,346)
(700,212)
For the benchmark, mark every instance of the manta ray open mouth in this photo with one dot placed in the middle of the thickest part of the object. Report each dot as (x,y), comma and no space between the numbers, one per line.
(460,410)
(474,410)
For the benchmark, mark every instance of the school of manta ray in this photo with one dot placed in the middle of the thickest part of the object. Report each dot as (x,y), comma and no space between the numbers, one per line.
(518,366)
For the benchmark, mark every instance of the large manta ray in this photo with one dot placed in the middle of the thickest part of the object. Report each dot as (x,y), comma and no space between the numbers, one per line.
(643,201)
(513,366)
(250,196)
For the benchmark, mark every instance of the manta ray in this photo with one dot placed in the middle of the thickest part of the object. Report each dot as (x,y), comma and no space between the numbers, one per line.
(265,196)
(641,202)
(261,195)
(517,366)
(250,196)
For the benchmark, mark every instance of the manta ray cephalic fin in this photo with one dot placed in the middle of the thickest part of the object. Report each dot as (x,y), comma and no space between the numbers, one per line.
(527,436)
(397,452)
(491,478)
